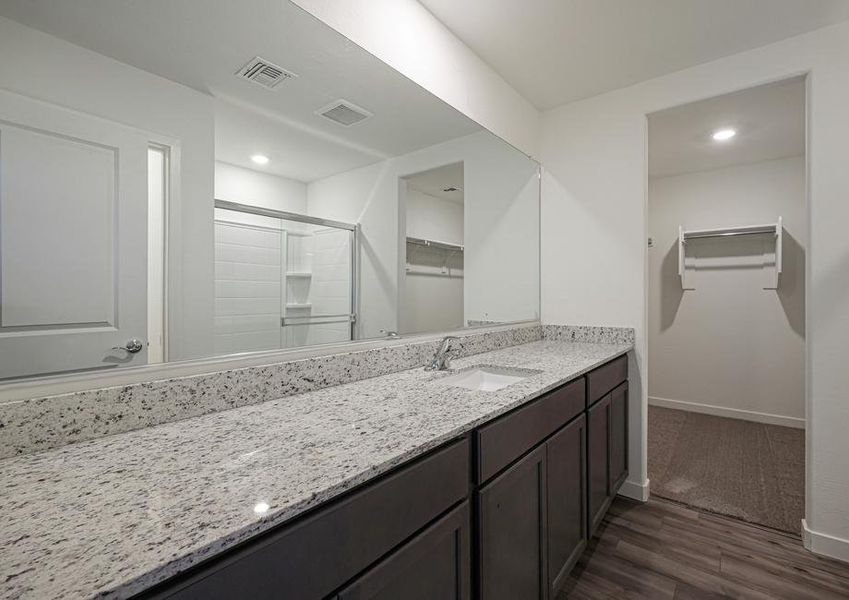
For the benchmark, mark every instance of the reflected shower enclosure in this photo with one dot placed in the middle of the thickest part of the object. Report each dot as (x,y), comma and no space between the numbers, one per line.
(282,280)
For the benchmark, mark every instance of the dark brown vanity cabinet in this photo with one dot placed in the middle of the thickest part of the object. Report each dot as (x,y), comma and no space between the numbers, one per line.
(533,519)
(434,564)
(532,516)
(566,502)
(607,437)
(512,531)
(618,436)
(599,490)
(502,513)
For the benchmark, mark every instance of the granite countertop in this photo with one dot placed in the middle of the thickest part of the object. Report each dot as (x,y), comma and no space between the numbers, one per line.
(116,515)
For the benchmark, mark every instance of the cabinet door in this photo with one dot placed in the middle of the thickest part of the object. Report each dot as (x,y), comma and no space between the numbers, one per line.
(618,437)
(511,509)
(598,461)
(434,564)
(566,502)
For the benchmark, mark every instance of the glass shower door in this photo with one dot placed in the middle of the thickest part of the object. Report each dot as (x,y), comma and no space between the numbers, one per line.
(318,284)
(282,280)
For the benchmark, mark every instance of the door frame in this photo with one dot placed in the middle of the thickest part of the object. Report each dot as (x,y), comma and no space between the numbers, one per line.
(642,490)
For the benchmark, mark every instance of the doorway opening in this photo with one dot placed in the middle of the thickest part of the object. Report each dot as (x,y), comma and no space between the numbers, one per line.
(726,345)
(432,219)
(158,175)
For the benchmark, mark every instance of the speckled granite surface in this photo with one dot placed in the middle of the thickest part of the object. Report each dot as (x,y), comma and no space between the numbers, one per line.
(51,422)
(115,515)
(588,333)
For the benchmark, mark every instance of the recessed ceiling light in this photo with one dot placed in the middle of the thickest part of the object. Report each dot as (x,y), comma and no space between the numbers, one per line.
(261,508)
(260,159)
(721,135)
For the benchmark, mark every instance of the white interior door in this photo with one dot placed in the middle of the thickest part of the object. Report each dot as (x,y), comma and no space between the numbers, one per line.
(73,240)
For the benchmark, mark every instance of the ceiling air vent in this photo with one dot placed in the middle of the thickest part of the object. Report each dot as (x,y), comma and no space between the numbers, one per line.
(264,73)
(343,112)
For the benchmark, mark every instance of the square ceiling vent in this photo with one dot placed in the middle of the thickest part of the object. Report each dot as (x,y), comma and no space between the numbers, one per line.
(265,73)
(344,113)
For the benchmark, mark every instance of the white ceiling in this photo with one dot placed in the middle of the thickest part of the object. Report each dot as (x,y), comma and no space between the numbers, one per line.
(202,44)
(769,120)
(558,51)
(435,181)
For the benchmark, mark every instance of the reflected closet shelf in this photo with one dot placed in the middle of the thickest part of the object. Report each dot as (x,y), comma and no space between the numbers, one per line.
(297,305)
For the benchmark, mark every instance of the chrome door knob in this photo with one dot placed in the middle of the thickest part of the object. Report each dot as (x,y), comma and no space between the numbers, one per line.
(134,345)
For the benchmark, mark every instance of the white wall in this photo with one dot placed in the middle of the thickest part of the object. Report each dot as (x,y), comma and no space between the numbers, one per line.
(433,218)
(501,216)
(44,67)
(406,36)
(594,237)
(248,282)
(729,346)
(246,186)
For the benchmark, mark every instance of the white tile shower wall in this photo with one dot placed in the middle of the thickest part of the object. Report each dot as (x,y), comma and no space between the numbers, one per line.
(50,422)
(247,288)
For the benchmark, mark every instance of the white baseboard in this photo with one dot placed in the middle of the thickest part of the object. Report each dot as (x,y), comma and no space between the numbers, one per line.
(733,413)
(634,490)
(822,543)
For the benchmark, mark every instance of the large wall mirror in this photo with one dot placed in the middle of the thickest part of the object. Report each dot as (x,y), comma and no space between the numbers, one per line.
(348,203)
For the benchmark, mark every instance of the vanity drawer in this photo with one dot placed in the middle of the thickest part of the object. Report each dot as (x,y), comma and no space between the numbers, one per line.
(506,439)
(603,379)
(316,555)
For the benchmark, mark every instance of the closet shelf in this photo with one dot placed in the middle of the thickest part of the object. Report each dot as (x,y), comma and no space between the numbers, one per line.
(435,244)
(298,274)
(684,235)
(299,305)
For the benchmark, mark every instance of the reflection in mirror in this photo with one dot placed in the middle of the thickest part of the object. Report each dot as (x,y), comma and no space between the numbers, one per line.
(347,204)
(281,282)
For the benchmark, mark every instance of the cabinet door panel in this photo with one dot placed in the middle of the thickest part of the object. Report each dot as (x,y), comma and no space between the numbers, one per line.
(618,437)
(598,461)
(566,502)
(512,532)
(434,564)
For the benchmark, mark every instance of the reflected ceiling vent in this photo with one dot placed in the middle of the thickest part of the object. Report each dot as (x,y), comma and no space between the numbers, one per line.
(264,73)
(343,112)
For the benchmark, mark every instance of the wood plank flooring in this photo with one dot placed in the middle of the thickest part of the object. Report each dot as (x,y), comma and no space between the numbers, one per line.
(663,550)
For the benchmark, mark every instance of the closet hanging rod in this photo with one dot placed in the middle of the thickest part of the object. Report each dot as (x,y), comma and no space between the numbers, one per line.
(690,236)
(772,228)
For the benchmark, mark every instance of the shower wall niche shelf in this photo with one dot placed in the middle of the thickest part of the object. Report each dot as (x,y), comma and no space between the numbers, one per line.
(687,263)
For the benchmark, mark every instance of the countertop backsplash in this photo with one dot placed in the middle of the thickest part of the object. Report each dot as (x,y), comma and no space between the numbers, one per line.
(51,422)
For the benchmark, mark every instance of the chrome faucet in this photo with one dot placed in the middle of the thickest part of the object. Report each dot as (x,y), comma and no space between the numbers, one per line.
(441,361)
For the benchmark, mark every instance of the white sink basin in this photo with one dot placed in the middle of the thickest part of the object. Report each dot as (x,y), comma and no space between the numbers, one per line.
(486,378)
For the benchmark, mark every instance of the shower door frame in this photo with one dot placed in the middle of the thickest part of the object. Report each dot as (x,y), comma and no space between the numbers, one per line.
(299,218)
